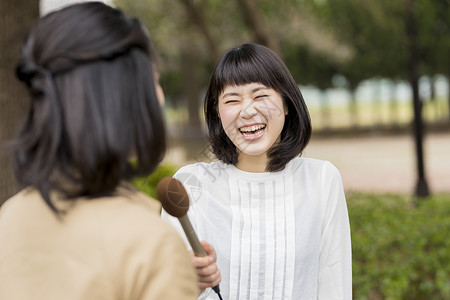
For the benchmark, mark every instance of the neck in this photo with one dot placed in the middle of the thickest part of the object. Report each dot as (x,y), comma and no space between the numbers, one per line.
(254,164)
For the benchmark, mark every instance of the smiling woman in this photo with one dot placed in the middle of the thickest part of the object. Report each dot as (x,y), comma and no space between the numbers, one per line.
(278,222)
(270,79)
(253,117)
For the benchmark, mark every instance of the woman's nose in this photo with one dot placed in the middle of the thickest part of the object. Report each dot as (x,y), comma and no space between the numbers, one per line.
(248,109)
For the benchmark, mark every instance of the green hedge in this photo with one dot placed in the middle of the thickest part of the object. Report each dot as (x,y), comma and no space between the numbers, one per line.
(400,250)
(148,184)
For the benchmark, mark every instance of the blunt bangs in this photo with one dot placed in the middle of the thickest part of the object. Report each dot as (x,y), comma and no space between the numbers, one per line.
(244,65)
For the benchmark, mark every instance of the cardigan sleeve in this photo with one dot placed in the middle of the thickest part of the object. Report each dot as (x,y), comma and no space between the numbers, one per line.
(172,275)
(335,262)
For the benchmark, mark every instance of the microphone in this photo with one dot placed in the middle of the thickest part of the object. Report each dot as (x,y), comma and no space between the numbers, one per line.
(175,201)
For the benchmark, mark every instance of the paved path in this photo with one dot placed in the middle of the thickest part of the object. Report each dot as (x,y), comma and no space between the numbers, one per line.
(381,164)
(386,164)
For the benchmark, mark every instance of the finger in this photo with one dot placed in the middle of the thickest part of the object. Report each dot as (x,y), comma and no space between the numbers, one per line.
(207,271)
(210,281)
(202,261)
(206,246)
(209,249)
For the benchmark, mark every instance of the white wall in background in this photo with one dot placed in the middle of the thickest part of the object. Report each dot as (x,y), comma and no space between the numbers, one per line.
(46,6)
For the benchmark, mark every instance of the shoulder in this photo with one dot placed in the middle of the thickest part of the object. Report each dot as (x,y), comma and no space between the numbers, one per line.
(26,193)
(14,200)
(201,172)
(127,225)
(201,167)
(320,173)
(25,204)
(128,222)
(129,209)
(313,165)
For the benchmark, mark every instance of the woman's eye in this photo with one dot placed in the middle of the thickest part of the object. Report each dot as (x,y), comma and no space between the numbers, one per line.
(231,101)
(261,96)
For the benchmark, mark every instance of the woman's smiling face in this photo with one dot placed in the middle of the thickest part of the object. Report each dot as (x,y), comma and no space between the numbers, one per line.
(252,116)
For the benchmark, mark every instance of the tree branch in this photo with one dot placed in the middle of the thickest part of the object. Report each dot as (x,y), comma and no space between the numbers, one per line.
(254,21)
(198,18)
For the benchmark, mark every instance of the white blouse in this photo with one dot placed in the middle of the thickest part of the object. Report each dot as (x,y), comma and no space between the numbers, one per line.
(277,235)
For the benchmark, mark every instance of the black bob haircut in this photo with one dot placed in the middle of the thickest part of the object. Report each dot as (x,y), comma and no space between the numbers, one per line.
(90,72)
(253,63)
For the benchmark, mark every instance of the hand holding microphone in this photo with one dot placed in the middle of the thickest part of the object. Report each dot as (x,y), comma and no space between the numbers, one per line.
(175,201)
(208,273)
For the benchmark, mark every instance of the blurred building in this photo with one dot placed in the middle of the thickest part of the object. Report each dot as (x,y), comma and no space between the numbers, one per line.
(46,6)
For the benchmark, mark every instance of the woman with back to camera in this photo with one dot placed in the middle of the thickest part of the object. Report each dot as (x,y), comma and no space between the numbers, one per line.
(274,225)
(78,229)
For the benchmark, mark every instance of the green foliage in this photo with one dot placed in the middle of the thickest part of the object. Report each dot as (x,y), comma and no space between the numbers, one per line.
(148,184)
(400,250)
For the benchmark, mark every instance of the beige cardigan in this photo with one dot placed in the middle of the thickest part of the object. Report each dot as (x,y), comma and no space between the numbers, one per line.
(106,248)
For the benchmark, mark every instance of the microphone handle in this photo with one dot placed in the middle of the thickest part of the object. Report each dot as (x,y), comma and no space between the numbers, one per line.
(191,236)
(195,243)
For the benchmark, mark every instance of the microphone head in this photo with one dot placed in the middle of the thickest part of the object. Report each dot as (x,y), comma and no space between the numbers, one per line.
(173,197)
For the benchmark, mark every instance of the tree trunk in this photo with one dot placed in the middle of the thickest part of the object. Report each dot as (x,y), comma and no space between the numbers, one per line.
(192,95)
(197,17)
(15,19)
(254,20)
(421,189)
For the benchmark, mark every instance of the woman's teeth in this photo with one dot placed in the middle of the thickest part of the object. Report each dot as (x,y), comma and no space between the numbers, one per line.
(252,130)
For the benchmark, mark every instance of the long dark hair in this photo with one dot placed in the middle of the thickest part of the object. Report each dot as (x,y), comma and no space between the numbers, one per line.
(89,70)
(253,63)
